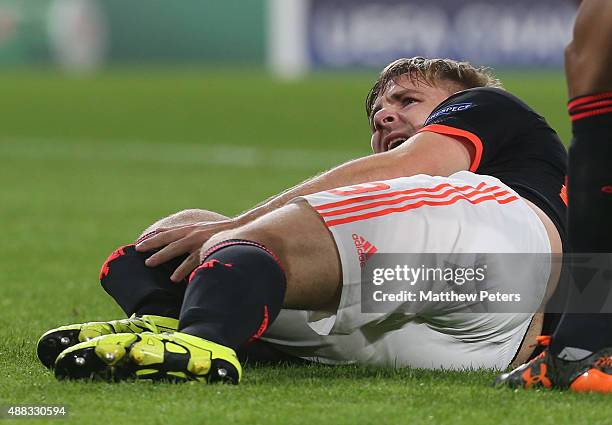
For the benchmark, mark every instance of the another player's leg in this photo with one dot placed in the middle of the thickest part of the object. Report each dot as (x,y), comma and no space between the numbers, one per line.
(579,354)
(287,257)
(150,300)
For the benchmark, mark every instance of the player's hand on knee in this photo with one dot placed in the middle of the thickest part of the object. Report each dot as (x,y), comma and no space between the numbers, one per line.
(177,241)
(162,236)
(187,266)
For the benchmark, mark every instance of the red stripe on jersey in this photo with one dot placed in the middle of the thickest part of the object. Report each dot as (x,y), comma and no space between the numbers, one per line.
(416,205)
(587,99)
(409,198)
(563,194)
(391,194)
(452,131)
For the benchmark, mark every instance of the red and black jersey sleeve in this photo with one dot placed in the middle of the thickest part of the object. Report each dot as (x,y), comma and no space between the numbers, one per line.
(511,142)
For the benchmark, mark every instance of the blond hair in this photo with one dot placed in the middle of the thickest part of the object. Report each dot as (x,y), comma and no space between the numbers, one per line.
(431,72)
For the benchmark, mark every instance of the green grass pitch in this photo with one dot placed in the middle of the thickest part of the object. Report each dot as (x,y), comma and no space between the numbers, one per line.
(86,164)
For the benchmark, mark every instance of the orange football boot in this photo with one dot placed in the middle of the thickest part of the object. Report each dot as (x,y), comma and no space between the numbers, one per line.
(591,374)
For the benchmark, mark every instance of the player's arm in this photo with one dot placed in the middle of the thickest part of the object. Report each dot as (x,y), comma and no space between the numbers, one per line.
(424,153)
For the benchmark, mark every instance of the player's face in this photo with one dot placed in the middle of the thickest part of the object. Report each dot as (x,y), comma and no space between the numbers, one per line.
(401,110)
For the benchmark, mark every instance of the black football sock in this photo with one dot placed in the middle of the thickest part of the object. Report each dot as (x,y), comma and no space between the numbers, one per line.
(590,175)
(583,329)
(140,289)
(234,295)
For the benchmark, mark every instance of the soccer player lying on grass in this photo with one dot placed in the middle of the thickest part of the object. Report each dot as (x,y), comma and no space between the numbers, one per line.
(579,354)
(459,166)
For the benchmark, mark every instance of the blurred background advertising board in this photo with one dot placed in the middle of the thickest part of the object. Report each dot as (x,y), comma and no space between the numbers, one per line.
(291,37)
(341,34)
(71,33)
(82,35)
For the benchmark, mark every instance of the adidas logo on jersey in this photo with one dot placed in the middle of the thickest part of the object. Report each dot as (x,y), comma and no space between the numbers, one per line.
(365,249)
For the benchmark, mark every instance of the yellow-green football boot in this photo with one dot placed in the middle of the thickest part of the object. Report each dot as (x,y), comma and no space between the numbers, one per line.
(167,356)
(53,342)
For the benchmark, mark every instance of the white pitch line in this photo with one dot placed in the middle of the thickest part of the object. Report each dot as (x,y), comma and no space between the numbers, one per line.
(175,153)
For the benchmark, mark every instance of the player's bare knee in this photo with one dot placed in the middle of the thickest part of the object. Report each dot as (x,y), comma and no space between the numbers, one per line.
(580,71)
(570,58)
(195,215)
(184,217)
(588,58)
(215,240)
(250,232)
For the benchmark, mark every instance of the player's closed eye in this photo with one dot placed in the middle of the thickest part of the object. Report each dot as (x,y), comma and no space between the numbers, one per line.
(408,101)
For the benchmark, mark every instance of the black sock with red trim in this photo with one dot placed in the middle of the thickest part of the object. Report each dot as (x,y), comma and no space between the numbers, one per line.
(235,294)
(140,289)
(590,174)
(583,326)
